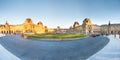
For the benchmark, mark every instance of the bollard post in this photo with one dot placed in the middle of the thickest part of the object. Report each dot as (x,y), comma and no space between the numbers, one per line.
(115,35)
(119,36)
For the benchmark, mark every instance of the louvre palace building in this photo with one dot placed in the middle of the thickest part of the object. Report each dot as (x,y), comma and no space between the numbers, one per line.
(27,27)
(87,27)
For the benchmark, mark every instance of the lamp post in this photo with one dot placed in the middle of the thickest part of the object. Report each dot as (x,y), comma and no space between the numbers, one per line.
(109,28)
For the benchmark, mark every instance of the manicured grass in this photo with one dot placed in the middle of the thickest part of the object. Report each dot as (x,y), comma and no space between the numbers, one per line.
(55,35)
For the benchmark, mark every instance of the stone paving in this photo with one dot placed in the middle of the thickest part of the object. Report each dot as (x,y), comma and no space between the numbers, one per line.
(28,49)
(5,54)
(110,52)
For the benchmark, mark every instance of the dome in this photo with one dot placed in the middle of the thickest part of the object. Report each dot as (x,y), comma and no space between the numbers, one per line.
(87,21)
(39,23)
(76,24)
(28,20)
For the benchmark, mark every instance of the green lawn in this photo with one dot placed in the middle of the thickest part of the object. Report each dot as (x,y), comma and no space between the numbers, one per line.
(55,35)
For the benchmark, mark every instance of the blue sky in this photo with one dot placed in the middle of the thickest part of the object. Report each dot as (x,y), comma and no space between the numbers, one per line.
(61,13)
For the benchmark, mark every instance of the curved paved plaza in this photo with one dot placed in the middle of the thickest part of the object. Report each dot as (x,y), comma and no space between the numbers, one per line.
(110,52)
(29,49)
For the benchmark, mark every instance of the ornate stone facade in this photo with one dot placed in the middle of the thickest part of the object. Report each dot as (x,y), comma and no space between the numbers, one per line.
(87,27)
(27,27)
(110,29)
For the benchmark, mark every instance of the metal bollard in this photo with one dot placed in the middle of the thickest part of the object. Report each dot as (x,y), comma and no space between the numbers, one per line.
(115,35)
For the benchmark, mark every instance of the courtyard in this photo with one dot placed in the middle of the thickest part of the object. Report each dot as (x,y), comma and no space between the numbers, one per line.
(29,49)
